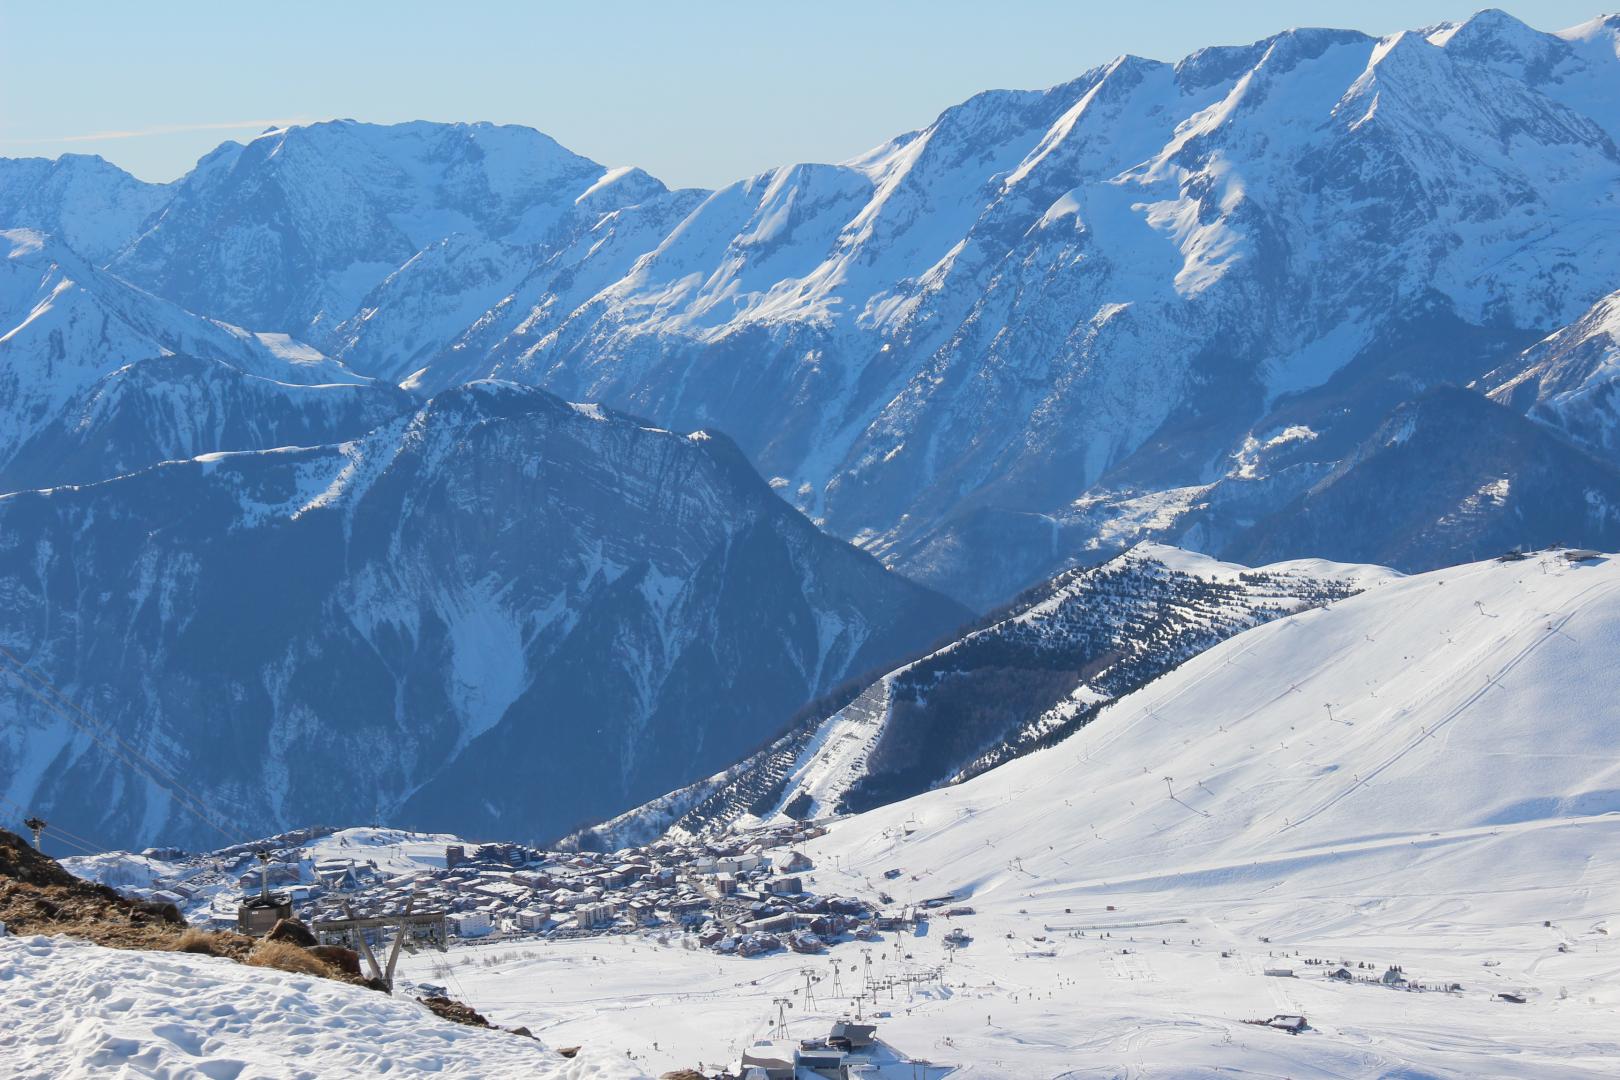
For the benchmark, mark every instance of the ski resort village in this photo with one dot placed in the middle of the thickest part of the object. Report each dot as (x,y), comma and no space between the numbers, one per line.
(746,895)
(1118,580)
(1213,874)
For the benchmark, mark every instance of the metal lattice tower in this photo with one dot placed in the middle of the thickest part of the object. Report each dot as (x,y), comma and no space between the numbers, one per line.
(35,825)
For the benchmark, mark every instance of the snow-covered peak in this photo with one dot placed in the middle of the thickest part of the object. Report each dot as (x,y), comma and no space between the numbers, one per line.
(100,376)
(1490,33)
(354,203)
(92,205)
(44,284)
(1603,29)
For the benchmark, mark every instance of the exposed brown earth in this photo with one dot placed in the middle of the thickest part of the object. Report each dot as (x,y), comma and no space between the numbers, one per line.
(37,896)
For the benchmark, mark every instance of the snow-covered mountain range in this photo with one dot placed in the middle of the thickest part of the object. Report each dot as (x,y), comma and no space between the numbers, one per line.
(1047,325)
(502,612)
(977,348)
(1325,295)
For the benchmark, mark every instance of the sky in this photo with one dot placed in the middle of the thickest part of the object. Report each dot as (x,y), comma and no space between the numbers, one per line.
(698,93)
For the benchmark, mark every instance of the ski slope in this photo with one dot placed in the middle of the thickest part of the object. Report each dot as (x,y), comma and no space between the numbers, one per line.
(1447,714)
(1458,815)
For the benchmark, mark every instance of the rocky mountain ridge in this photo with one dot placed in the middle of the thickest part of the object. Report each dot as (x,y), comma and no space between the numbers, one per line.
(502,610)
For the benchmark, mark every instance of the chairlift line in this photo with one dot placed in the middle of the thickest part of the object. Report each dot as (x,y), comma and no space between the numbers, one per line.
(163,775)
(143,766)
(53,833)
(90,846)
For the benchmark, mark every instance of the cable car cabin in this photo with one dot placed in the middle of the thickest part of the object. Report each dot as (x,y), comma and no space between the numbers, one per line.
(257,916)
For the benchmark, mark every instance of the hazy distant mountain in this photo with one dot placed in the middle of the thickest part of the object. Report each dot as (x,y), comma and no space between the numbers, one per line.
(295,229)
(1449,478)
(90,204)
(502,613)
(98,378)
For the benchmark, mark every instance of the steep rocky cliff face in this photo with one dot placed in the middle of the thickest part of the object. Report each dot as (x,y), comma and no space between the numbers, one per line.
(502,612)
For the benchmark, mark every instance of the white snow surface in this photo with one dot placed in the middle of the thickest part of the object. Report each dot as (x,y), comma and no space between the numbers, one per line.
(396,851)
(1458,815)
(75,1010)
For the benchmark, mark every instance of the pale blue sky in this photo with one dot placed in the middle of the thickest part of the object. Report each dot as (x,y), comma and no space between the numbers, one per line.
(697,93)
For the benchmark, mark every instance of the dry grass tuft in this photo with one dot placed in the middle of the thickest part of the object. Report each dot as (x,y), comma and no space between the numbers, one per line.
(204,942)
(284,956)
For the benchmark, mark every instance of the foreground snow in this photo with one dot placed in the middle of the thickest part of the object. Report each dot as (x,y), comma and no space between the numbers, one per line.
(1456,815)
(72,1009)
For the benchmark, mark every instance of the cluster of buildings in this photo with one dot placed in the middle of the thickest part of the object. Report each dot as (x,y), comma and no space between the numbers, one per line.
(848,1051)
(742,896)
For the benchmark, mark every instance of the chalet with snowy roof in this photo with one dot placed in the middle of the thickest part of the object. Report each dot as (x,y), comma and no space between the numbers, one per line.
(793,862)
